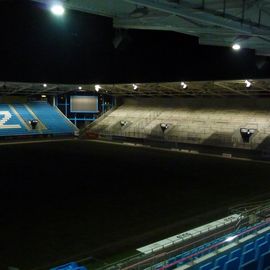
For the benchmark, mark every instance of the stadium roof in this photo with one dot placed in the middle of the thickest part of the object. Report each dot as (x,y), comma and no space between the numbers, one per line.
(214,22)
(260,87)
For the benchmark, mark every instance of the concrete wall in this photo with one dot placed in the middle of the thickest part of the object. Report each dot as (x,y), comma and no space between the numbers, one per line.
(209,121)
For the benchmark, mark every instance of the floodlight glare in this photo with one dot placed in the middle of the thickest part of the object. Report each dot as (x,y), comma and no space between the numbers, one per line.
(44,85)
(80,88)
(97,87)
(236,47)
(230,238)
(184,85)
(43,96)
(248,84)
(135,86)
(58,10)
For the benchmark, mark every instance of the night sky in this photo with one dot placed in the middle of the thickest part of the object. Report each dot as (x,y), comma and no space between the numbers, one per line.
(36,46)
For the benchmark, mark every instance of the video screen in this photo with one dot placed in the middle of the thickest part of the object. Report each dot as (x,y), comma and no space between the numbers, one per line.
(83,104)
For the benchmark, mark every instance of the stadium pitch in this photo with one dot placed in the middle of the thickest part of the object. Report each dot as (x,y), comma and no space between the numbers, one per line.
(72,199)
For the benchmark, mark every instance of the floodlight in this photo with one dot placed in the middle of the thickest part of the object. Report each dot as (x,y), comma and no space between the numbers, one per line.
(230,238)
(97,87)
(58,9)
(80,88)
(164,126)
(123,123)
(33,123)
(44,85)
(236,47)
(248,83)
(43,96)
(135,86)
(184,85)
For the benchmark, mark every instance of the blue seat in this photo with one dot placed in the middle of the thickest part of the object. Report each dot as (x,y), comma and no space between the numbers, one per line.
(251,265)
(267,238)
(248,246)
(171,260)
(220,261)
(206,266)
(247,256)
(235,253)
(68,266)
(232,264)
(14,120)
(264,260)
(10,125)
(261,248)
(54,121)
(259,241)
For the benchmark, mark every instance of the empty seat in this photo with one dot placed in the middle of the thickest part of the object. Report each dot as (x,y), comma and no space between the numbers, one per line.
(251,265)
(54,121)
(206,266)
(247,256)
(262,248)
(248,246)
(259,241)
(68,266)
(232,264)
(220,261)
(264,260)
(14,120)
(216,268)
(235,253)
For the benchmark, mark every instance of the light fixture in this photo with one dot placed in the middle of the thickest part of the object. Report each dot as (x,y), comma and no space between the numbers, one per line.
(123,123)
(44,85)
(230,238)
(135,86)
(80,88)
(139,12)
(164,126)
(248,83)
(58,9)
(236,47)
(97,87)
(43,96)
(184,85)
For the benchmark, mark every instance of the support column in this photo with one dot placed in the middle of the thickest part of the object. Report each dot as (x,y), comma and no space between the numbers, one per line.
(54,101)
(66,105)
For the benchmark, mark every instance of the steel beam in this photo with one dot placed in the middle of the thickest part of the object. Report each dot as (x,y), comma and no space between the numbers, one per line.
(183,10)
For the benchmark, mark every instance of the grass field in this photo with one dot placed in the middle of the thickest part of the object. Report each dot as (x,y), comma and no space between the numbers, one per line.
(84,198)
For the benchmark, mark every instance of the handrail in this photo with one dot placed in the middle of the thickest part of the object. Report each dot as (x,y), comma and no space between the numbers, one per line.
(138,260)
(214,246)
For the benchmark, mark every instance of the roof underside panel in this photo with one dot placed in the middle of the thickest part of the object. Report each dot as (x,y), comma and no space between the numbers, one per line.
(214,22)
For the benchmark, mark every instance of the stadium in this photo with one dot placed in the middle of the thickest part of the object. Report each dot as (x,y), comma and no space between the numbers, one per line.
(160,175)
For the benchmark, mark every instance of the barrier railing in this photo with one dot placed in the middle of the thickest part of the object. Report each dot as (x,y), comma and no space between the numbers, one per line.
(138,261)
(214,247)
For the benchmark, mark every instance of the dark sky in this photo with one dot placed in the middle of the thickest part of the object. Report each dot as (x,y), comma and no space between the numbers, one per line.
(78,48)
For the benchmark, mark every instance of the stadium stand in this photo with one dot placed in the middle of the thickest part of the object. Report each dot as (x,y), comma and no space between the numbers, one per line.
(240,241)
(54,121)
(15,120)
(69,266)
(249,251)
(236,123)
